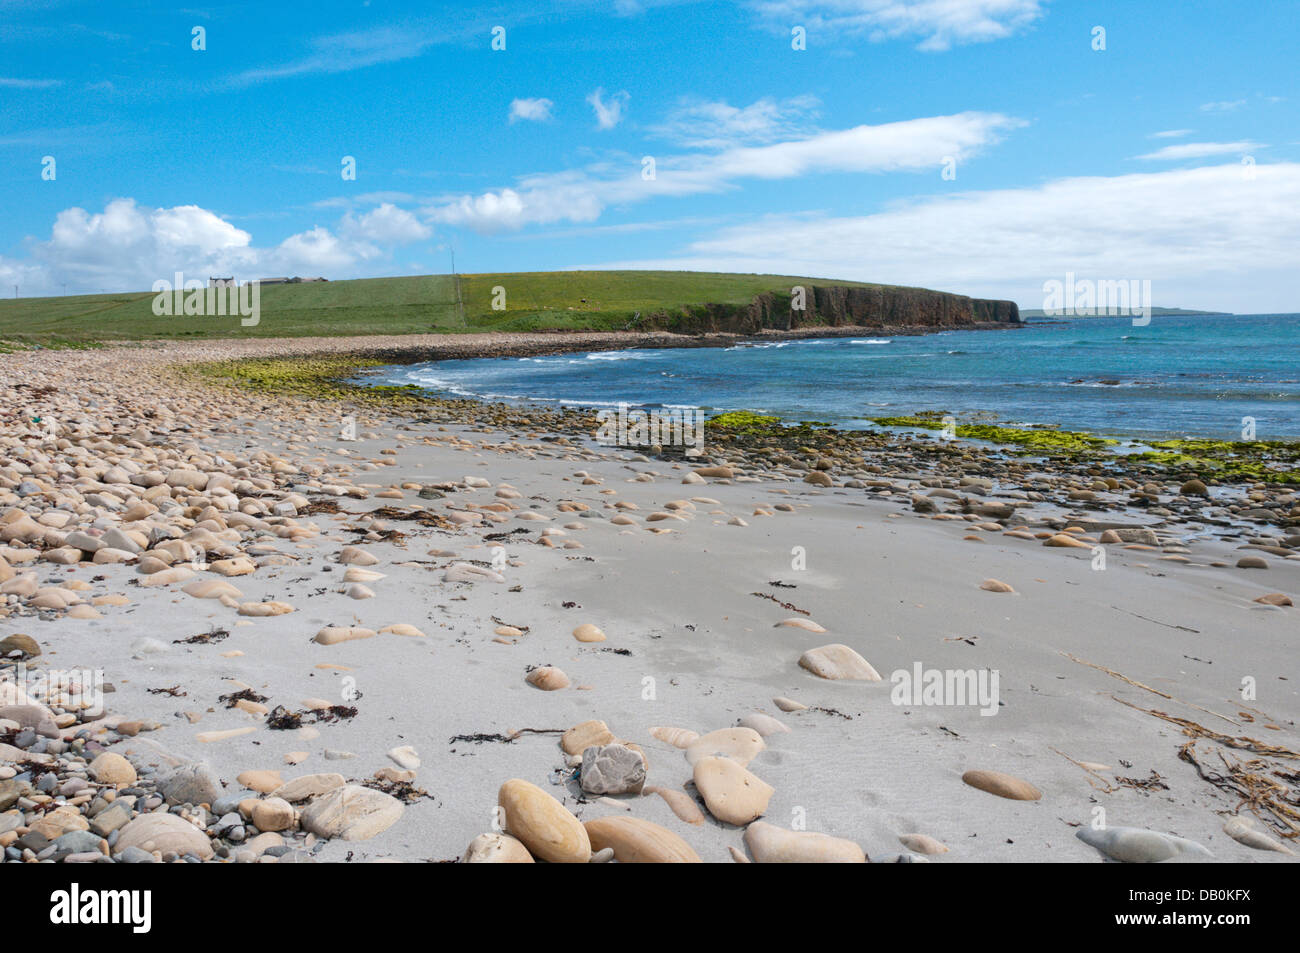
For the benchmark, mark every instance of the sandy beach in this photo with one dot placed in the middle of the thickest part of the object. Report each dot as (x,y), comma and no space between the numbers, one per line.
(376,612)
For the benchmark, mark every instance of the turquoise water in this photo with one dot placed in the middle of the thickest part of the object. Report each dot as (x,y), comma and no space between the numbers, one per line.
(1178,376)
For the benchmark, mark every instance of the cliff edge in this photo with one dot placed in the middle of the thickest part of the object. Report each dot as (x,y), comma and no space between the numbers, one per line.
(836,306)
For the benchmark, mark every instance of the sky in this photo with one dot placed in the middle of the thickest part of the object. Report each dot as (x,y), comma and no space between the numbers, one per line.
(985,147)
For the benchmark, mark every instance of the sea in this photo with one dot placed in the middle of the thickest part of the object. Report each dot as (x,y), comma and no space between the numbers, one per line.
(1221,377)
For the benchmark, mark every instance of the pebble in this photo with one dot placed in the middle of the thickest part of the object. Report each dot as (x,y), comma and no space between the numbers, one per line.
(264,782)
(677,737)
(922,844)
(680,803)
(612,769)
(588,633)
(741,745)
(18,642)
(788,704)
(1003,785)
(543,824)
(464,572)
(274,814)
(264,609)
(404,629)
(838,662)
(164,832)
(808,625)
(333,635)
(404,757)
(1066,541)
(547,678)
(351,812)
(1132,845)
(637,841)
(1242,830)
(496,849)
(581,736)
(769,844)
(765,725)
(1275,599)
(301,788)
(731,793)
(111,768)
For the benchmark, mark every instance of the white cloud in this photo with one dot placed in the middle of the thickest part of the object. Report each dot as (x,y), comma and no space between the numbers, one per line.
(1202,150)
(1171,134)
(609,112)
(342,52)
(581,195)
(317,249)
(388,225)
(534,110)
(1211,237)
(1226,106)
(127,247)
(938,24)
(366,198)
(699,124)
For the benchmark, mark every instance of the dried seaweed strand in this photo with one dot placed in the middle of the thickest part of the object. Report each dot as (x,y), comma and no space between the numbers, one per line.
(1105,788)
(1256,791)
(1194,730)
(1154,691)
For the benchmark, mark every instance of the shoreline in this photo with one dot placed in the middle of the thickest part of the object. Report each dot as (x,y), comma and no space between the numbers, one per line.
(1205,458)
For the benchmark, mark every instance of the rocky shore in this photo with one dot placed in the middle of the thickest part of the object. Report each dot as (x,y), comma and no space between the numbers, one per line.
(233,630)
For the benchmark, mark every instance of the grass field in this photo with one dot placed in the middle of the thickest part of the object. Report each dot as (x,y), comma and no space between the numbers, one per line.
(563,300)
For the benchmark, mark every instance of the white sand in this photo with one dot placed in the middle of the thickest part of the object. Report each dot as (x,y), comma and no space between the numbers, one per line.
(897,587)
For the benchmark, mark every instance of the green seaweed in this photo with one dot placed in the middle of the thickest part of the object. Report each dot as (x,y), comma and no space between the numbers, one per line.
(749,424)
(1038,441)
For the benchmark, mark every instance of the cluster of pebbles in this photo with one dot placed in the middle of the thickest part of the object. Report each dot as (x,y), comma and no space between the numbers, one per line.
(533,825)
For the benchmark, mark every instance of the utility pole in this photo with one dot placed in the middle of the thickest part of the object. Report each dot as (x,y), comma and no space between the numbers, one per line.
(460,303)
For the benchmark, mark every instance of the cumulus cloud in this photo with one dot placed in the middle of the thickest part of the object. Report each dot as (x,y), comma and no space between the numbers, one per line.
(609,112)
(1202,150)
(127,247)
(937,24)
(319,249)
(581,195)
(388,225)
(1216,237)
(130,246)
(531,110)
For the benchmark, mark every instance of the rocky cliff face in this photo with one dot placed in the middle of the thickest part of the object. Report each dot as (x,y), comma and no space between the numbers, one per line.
(838,306)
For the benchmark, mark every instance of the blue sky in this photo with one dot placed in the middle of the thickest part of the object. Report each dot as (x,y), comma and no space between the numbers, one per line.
(1173,154)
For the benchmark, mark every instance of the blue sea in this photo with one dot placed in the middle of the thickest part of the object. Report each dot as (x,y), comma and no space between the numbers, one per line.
(1189,376)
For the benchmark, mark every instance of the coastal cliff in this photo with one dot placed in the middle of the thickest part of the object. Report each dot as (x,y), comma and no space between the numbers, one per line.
(837,306)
